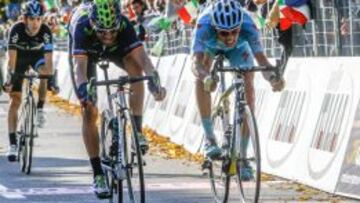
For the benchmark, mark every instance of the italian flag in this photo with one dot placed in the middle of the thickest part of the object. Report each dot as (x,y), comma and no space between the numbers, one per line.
(290,15)
(258,20)
(189,11)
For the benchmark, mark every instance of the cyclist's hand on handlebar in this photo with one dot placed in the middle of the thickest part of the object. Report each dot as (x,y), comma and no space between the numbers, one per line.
(277,84)
(210,83)
(155,87)
(8,85)
(159,95)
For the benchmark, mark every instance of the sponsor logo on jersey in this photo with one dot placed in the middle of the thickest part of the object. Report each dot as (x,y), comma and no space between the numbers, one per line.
(15,38)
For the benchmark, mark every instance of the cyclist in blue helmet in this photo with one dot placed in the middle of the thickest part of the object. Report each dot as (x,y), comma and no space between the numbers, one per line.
(224,27)
(29,45)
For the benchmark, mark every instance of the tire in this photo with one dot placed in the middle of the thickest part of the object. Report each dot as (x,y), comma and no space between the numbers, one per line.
(22,153)
(106,137)
(25,141)
(134,162)
(254,159)
(29,138)
(21,141)
(219,180)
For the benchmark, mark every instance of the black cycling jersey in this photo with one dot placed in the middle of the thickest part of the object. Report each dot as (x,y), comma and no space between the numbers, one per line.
(30,49)
(83,40)
(26,45)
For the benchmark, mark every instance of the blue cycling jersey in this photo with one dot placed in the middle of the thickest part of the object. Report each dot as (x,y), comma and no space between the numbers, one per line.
(204,36)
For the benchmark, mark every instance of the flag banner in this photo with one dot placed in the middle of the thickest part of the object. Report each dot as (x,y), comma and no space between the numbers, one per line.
(188,12)
(289,15)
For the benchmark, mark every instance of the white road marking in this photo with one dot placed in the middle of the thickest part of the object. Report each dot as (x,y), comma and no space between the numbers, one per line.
(9,193)
(21,193)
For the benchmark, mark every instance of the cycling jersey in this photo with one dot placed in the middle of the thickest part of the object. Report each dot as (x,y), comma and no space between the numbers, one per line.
(27,45)
(30,49)
(205,40)
(85,42)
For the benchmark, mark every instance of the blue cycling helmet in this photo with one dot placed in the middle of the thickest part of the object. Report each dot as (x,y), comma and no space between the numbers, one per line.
(227,14)
(105,14)
(33,9)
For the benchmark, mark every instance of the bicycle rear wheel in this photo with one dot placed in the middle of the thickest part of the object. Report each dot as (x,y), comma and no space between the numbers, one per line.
(250,188)
(133,161)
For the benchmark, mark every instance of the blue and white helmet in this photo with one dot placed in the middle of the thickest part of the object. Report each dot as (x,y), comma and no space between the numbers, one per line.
(33,9)
(227,14)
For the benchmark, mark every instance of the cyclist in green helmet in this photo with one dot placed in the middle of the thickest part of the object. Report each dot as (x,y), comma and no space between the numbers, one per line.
(99,31)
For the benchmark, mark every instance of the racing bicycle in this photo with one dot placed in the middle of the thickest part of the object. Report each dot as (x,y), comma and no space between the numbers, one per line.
(239,139)
(121,155)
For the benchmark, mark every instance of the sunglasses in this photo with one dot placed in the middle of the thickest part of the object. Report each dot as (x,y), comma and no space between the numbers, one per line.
(228,33)
(106,31)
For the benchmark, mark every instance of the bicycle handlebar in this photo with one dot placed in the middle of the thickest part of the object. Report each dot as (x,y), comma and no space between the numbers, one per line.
(242,70)
(253,69)
(26,76)
(121,81)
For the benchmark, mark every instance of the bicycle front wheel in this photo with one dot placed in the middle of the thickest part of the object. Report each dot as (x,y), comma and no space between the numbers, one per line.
(27,138)
(219,177)
(249,164)
(133,162)
(108,151)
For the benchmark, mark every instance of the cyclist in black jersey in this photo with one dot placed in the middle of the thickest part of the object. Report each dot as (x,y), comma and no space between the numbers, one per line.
(98,31)
(29,46)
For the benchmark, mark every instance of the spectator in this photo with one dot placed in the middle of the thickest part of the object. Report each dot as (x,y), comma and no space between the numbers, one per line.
(138,7)
(349,15)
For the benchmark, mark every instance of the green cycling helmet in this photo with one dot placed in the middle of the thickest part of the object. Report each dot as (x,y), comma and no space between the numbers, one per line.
(105,14)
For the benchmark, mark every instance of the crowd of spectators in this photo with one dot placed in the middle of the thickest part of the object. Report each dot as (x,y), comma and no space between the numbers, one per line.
(334,29)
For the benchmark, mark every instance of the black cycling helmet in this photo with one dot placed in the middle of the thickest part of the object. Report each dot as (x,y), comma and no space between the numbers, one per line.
(33,9)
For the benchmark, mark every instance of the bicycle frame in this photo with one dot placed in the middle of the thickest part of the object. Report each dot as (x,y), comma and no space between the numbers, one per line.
(223,106)
(116,113)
